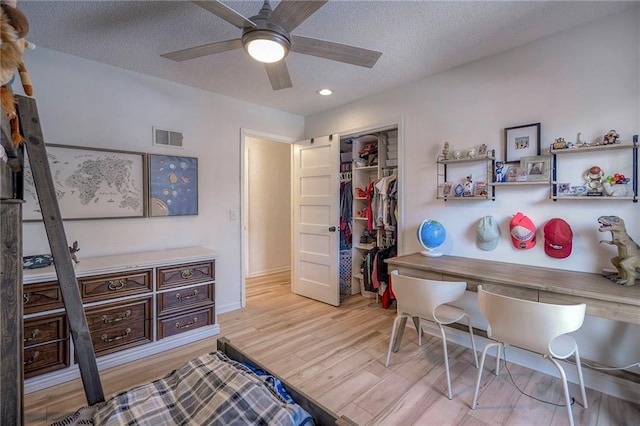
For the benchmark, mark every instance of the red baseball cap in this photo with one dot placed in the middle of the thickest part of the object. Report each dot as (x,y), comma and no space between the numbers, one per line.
(558,238)
(523,232)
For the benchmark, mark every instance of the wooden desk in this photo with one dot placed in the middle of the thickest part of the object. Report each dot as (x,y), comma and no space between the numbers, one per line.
(602,297)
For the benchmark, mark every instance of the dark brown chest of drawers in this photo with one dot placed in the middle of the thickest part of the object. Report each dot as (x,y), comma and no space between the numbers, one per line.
(129,304)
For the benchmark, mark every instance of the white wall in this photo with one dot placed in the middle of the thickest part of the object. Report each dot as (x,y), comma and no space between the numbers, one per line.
(89,104)
(269,209)
(582,80)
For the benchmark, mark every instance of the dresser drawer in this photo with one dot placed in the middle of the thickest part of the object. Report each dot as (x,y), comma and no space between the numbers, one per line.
(180,300)
(45,358)
(130,311)
(105,287)
(185,322)
(45,329)
(179,275)
(41,297)
(121,337)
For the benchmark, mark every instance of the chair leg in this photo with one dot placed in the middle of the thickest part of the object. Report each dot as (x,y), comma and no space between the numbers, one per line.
(484,356)
(403,324)
(473,342)
(446,360)
(416,322)
(391,339)
(565,388)
(585,402)
(498,348)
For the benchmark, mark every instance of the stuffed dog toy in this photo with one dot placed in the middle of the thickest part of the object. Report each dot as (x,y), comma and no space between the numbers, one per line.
(14,27)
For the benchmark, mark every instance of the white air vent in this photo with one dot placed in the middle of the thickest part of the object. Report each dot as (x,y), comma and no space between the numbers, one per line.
(164,137)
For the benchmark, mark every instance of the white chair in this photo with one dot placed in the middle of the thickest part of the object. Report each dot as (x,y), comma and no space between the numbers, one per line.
(534,326)
(418,299)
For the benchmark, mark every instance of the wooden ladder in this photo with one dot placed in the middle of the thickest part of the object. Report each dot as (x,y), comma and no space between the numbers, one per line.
(37,155)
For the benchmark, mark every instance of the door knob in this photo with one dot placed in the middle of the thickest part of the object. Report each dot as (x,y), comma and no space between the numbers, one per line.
(332,229)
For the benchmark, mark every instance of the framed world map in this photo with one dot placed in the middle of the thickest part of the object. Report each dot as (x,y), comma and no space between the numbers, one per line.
(91,183)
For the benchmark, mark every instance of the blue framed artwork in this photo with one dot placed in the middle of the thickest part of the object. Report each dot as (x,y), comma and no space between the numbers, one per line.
(173,185)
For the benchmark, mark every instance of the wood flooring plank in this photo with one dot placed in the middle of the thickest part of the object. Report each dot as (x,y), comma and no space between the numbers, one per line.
(356,414)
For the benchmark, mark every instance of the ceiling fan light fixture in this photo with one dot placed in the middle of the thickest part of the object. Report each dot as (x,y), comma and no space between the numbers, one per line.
(266,46)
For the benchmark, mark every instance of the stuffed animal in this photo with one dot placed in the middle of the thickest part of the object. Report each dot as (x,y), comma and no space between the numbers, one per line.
(14,27)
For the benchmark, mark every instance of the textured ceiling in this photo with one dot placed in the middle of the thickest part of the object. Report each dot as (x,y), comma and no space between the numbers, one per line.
(417,38)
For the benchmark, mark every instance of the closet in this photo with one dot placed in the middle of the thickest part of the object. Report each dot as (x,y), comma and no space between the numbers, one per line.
(368,211)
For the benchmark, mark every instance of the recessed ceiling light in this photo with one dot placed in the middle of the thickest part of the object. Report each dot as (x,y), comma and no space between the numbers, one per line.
(325,92)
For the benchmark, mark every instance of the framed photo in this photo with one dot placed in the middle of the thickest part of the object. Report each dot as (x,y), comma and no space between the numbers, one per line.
(173,185)
(521,141)
(512,174)
(537,168)
(564,188)
(444,189)
(91,183)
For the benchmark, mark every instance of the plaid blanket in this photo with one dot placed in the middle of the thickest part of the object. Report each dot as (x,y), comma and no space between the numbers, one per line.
(209,390)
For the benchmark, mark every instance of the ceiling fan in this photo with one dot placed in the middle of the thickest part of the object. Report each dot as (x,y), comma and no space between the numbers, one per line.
(267,38)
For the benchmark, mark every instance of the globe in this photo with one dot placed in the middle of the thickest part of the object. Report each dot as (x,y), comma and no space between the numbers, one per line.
(431,235)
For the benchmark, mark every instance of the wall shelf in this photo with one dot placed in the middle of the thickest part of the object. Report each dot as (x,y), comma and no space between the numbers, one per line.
(445,187)
(597,149)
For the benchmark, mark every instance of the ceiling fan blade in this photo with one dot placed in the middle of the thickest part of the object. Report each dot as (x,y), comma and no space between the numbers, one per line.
(334,51)
(225,12)
(290,14)
(204,50)
(278,75)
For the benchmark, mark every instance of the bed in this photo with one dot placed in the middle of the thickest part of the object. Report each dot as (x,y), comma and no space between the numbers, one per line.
(225,387)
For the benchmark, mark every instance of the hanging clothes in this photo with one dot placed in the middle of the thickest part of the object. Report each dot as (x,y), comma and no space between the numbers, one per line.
(382,277)
(346,202)
(370,203)
(367,268)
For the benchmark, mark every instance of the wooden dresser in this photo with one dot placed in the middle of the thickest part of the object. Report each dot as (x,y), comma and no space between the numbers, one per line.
(136,305)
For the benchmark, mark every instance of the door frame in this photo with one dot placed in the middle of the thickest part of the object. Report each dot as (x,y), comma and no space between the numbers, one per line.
(244,199)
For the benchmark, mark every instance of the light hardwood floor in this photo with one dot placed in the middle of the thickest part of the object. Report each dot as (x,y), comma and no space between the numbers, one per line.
(337,356)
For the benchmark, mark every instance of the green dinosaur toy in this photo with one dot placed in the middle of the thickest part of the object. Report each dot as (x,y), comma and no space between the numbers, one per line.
(627,262)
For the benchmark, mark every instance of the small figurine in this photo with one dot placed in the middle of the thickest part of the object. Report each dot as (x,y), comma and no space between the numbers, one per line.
(594,177)
(580,142)
(559,143)
(482,150)
(500,174)
(445,151)
(467,185)
(457,154)
(471,153)
(611,137)
(73,250)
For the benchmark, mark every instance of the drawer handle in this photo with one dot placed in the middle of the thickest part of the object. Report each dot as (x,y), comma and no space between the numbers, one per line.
(189,296)
(26,297)
(34,357)
(107,339)
(34,334)
(187,273)
(106,320)
(116,285)
(187,325)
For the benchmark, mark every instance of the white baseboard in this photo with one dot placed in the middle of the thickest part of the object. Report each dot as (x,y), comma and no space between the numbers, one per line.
(269,272)
(119,358)
(221,309)
(593,379)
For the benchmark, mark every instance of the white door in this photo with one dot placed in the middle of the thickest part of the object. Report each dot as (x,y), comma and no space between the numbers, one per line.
(316,219)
